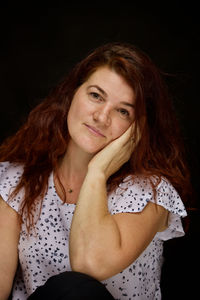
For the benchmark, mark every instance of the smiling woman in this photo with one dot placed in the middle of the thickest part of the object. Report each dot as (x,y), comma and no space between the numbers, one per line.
(94,182)
(102,106)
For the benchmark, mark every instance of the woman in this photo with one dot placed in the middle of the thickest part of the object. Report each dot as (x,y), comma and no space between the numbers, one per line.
(94,181)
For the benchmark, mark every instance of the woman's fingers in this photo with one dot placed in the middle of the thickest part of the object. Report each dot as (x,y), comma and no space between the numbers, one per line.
(130,136)
(115,154)
(126,136)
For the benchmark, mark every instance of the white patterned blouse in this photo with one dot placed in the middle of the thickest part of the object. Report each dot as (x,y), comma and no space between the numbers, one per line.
(45,252)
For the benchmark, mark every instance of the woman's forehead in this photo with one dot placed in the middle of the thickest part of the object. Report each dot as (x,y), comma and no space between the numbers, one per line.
(110,82)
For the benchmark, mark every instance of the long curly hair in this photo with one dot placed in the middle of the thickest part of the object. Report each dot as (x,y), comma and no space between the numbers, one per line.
(42,140)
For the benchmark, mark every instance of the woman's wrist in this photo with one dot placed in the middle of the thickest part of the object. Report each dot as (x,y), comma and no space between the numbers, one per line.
(96,175)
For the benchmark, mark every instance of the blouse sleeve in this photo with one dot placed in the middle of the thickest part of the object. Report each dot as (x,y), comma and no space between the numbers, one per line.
(10,175)
(132,197)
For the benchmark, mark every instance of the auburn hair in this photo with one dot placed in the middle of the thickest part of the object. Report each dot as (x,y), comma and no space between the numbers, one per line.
(42,140)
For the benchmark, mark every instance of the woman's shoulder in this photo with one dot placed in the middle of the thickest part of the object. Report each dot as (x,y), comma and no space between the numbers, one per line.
(142,185)
(135,192)
(10,174)
(10,169)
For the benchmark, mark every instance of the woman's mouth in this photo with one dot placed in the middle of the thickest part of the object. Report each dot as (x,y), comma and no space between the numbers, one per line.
(94,130)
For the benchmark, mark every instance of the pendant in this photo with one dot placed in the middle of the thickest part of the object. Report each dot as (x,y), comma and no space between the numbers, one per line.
(70,191)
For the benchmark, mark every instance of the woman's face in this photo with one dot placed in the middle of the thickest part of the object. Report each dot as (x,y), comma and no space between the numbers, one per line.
(101,110)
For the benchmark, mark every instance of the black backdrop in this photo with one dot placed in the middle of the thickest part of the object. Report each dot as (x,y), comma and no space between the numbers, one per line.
(40,43)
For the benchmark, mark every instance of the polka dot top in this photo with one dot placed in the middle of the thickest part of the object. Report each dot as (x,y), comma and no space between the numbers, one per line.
(45,251)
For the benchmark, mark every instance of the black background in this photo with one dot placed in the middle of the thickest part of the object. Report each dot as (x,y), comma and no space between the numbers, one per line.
(39,45)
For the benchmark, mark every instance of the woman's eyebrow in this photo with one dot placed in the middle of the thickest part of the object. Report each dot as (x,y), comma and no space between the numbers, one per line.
(128,104)
(98,88)
(105,94)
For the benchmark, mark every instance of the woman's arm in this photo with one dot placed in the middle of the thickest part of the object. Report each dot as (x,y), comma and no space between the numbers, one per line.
(9,237)
(101,244)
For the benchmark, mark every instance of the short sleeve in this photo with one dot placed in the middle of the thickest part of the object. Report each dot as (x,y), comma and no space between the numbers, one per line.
(10,175)
(132,197)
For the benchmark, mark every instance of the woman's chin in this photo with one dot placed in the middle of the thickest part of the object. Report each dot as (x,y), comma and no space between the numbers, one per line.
(92,149)
(87,146)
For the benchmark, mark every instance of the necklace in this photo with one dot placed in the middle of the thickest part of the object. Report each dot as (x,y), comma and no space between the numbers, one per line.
(70,190)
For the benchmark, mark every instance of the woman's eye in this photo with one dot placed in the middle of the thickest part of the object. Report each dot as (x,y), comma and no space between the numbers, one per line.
(96,96)
(124,112)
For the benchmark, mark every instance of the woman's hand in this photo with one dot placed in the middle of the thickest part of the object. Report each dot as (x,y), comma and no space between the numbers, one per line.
(103,244)
(114,155)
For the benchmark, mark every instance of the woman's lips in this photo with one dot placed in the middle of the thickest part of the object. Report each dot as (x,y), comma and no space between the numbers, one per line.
(94,130)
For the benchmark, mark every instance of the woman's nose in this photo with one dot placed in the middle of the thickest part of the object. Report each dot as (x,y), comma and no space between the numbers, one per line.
(102,116)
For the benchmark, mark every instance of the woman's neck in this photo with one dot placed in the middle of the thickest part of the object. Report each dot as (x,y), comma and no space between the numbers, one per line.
(74,164)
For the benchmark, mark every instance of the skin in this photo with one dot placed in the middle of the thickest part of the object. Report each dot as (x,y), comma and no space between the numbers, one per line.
(104,103)
(100,102)
(101,244)
(9,236)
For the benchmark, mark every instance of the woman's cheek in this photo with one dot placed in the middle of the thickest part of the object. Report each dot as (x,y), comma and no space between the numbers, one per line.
(120,129)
